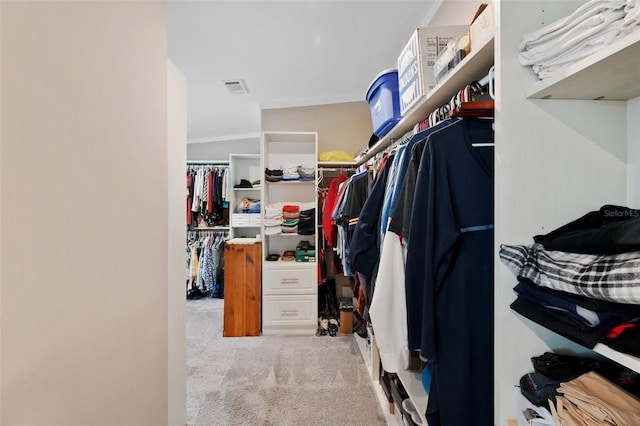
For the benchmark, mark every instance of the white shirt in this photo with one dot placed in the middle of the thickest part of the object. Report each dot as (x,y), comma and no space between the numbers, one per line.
(388,310)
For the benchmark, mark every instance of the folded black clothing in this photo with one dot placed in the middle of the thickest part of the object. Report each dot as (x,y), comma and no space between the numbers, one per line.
(563,367)
(310,213)
(275,172)
(625,338)
(622,376)
(610,230)
(602,309)
(562,324)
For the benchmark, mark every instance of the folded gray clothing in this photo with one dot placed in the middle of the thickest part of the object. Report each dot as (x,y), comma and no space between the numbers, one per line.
(306,172)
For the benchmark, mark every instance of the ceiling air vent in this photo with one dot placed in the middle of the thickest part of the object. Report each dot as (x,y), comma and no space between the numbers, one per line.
(235,87)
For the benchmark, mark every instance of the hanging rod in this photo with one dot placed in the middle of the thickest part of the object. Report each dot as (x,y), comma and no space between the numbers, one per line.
(383,144)
(212,228)
(338,169)
(489,80)
(206,163)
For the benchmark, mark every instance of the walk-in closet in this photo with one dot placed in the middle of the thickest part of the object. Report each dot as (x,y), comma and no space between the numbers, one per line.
(320,213)
(419,234)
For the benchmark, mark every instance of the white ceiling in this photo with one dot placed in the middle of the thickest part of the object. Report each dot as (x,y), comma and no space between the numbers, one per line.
(289,53)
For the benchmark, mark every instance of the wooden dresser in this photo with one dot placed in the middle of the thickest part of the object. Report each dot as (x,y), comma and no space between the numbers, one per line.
(242,289)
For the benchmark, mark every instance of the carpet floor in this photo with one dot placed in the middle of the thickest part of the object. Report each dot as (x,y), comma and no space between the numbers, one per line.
(273,380)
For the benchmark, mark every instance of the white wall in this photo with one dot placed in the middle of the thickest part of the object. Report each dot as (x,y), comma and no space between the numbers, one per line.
(341,127)
(84,198)
(454,12)
(177,135)
(220,150)
(633,153)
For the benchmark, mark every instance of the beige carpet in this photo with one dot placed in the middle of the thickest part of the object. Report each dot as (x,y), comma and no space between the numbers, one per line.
(273,380)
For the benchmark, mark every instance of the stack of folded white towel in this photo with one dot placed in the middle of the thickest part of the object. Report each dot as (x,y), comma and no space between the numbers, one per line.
(594,25)
(272,219)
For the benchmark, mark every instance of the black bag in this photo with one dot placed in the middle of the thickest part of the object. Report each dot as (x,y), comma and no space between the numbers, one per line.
(539,389)
(563,367)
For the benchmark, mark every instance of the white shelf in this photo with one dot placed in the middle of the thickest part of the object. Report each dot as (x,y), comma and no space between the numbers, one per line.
(473,67)
(211,228)
(365,352)
(281,234)
(612,73)
(412,382)
(292,182)
(333,164)
(281,262)
(243,167)
(628,361)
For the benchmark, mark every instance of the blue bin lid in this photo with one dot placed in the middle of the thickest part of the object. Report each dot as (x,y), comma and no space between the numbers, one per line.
(381,78)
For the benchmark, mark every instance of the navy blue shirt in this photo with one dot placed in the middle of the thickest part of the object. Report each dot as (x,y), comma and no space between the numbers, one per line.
(449,272)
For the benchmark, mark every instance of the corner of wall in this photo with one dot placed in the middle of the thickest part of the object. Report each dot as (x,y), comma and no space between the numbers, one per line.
(633,153)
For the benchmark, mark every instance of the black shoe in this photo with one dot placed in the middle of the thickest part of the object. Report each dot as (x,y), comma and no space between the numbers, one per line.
(333,327)
(359,325)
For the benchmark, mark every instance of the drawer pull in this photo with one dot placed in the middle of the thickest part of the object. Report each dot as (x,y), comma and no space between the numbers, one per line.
(289,281)
(289,313)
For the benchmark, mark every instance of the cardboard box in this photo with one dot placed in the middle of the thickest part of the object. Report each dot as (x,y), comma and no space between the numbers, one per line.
(482,26)
(448,60)
(415,63)
(346,321)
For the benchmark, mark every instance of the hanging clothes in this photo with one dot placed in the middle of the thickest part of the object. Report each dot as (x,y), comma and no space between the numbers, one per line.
(449,272)
(407,174)
(388,276)
(206,195)
(205,264)
(346,214)
(431,226)
(328,224)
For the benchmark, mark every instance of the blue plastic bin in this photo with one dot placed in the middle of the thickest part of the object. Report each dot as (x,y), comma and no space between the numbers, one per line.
(384,101)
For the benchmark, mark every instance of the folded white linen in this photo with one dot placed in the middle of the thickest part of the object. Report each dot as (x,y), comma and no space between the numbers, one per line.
(572,39)
(565,24)
(586,48)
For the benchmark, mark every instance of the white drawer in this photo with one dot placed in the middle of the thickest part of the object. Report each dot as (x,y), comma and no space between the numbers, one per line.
(240,219)
(293,280)
(255,220)
(290,312)
(245,219)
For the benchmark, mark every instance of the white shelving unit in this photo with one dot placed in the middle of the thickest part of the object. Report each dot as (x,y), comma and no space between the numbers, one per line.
(612,73)
(243,166)
(560,152)
(290,288)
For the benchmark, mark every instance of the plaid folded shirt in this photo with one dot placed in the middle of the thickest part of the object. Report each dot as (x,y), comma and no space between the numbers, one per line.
(606,277)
